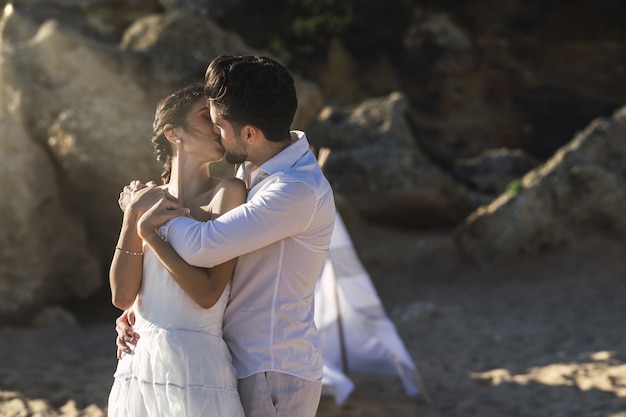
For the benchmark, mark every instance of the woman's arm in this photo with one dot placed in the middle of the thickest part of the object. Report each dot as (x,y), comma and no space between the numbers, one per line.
(204,286)
(126,269)
(127,266)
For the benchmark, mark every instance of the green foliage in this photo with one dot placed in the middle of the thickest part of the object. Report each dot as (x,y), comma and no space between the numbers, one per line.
(514,187)
(321,17)
(298,32)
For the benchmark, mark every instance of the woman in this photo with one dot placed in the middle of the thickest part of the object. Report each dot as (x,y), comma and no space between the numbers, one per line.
(181,366)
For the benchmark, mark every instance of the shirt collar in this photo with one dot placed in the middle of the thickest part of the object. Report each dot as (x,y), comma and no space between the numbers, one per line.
(284,159)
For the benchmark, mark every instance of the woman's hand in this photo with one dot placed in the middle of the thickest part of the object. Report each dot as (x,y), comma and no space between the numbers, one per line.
(142,199)
(162,211)
(127,192)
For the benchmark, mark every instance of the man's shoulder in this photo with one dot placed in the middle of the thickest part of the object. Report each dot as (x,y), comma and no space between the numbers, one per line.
(310,176)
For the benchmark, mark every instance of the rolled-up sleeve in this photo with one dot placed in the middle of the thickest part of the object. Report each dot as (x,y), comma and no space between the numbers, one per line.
(280,210)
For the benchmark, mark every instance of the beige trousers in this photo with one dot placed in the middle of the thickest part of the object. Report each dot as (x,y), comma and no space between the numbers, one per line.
(274,394)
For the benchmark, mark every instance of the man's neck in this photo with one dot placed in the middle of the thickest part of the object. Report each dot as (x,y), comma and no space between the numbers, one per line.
(270,150)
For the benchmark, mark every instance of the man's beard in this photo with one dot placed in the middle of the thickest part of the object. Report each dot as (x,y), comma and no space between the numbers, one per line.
(237,153)
(235,158)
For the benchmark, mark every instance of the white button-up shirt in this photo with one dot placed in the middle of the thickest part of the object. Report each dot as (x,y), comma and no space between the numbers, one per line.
(281,236)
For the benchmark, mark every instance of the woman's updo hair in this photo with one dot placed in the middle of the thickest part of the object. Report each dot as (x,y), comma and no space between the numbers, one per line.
(173,110)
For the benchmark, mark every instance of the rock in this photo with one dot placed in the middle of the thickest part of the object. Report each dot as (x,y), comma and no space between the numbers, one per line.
(94,119)
(44,250)
(310,102)
(579,192)
(375,163)
(337,78)
(512,78)
(437,36)
(77,128)
(94,19)
(178,46)
(495,169)
(208,8)
(54,317)
(196,41)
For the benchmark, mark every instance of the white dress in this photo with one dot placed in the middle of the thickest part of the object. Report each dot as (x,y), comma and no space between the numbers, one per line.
(181,366)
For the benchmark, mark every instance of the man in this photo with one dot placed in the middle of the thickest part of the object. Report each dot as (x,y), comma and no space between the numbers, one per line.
(281,236)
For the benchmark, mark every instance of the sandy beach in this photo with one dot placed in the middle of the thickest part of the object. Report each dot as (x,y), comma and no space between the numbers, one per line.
(542,337)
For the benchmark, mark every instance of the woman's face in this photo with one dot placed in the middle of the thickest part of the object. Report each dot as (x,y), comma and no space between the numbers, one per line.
(201,136)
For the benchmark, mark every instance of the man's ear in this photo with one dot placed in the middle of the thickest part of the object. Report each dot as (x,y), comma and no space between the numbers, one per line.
(250,133)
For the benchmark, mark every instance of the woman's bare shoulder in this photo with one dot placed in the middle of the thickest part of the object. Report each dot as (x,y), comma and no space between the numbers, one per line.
(226,194)
(231,182)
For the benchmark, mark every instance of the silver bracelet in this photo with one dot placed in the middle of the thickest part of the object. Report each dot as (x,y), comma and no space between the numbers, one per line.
(129,252)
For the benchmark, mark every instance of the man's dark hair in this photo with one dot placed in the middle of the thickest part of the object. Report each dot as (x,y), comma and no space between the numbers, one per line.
(254,90)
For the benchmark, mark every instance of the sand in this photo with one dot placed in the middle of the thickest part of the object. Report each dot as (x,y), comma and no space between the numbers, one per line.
(537,337)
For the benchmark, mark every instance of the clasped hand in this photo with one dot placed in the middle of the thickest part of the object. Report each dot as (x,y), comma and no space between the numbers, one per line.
(149,205)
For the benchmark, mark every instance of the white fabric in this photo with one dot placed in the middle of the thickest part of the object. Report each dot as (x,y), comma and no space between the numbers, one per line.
(281,236)
(356,335)
(181,366)
(336,384)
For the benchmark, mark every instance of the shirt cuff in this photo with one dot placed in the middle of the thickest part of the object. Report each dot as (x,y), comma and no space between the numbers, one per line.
(165,227)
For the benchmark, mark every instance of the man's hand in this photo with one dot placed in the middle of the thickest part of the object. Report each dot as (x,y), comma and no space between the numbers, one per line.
(125,334)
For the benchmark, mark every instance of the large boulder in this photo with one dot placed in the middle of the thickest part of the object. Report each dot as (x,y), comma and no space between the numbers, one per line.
(178,46)
(92,117)
(376,164)
(581,190)
(96,19)
(513,78)
(72,118)
(44,251)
